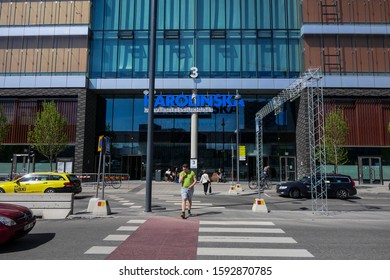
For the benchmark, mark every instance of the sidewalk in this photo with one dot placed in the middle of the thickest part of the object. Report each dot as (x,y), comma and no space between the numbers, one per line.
(162,187)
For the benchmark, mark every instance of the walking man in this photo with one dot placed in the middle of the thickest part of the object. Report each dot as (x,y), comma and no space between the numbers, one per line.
(187,179)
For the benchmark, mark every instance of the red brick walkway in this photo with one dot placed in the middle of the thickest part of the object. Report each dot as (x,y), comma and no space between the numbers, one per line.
(161,238)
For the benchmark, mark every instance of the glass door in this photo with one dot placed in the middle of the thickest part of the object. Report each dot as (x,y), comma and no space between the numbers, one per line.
(288,168)
(370,170)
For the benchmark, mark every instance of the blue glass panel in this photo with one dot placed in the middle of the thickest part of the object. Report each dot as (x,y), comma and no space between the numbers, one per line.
(187,15)
(186,53)
(141,15)
(218,58)
(122,113)
(127,15)
(293,14)
(109,114)
(203,14)
(279,14)
(160,54)
(171,58)
(96,54)
(233,14)
(165,123)
(125,58)
(160,14)
(248,14)
(141,51)
(249,55)
(218,14)
(98,15)
(140,118)
(233,54)
(111,15)
(265,57)
(183,124)
(172,14)
(110,55)
(203,53)
(294,53)
(263,14)
(280,54)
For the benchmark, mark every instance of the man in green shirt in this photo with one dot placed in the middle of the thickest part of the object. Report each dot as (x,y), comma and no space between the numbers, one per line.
(187,179)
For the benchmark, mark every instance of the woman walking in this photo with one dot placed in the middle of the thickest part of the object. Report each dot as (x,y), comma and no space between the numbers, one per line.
(205,180)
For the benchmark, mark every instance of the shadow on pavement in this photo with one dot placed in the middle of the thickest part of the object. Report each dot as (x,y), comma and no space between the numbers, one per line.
(30,241)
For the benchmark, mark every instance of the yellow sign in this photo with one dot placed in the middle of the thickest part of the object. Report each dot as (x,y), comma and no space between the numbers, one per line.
(100,143)
(242,152)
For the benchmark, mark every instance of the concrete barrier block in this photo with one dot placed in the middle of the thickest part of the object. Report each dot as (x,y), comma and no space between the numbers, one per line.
(47,206)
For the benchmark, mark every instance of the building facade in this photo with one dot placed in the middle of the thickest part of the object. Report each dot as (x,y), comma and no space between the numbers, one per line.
(91,57)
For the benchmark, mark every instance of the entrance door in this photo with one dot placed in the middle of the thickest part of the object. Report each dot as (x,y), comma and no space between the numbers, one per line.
(132,165)
(370,170)
(288,169)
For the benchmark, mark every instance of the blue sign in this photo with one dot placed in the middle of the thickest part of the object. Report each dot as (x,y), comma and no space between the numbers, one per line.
(186,103)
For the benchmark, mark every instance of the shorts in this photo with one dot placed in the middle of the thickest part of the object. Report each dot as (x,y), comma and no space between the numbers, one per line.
(186,193)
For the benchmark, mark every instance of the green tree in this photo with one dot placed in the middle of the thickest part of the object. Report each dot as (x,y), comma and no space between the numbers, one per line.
(49,136)
(4,126)
(336,131)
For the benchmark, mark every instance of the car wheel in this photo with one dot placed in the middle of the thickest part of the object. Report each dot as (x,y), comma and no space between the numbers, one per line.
(295,193)
(2,191)
(342,194)
(49,191)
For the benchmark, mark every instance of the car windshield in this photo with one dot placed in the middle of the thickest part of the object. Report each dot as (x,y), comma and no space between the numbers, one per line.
(304,180)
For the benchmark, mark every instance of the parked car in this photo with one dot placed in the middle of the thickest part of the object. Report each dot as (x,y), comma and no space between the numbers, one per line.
(43,182)
(15,221)
(337,185)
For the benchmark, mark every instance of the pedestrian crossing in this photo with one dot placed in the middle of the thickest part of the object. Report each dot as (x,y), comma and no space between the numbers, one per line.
(246,239)
(223,239)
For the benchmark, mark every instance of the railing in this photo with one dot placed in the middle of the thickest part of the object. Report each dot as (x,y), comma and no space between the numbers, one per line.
(92,178)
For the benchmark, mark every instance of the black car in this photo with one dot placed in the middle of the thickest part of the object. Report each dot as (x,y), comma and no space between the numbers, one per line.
(339,186)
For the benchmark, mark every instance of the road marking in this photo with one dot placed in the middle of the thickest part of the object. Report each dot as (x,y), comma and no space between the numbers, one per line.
(250,252)
(241,230)
(196,204)
(207,207)
(136,221)
(116,237)
(179,201)
(127,228)
(246,239)
(135,206)
(254,223)
(123,201)
(128,203)
(101,250)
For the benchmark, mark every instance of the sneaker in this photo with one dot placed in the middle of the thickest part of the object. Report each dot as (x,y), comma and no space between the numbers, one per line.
(183,215)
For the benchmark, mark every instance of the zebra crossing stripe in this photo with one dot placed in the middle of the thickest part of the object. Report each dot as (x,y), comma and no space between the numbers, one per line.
(136,221)
(127,228)
(241,230)
(116,237)
(247,223)
(246,239)
(250,252)
(100,250)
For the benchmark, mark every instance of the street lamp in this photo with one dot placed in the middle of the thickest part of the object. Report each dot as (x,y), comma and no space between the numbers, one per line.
(237,97)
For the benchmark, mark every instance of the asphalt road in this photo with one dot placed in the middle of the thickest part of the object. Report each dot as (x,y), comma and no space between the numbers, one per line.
(356,229)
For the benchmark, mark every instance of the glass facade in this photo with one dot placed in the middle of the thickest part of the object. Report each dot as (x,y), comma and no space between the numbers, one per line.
(126,123)
(232,39)
(223,38)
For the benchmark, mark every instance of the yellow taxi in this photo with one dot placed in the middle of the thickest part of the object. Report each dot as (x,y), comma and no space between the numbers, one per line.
(43,182)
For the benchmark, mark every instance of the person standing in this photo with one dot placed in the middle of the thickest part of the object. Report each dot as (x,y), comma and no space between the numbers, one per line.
(187,179)
(205,180)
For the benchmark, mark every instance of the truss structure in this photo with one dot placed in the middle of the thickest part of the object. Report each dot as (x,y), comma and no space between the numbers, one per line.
(309,83)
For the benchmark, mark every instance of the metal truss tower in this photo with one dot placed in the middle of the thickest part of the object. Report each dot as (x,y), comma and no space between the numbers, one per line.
(308,86)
